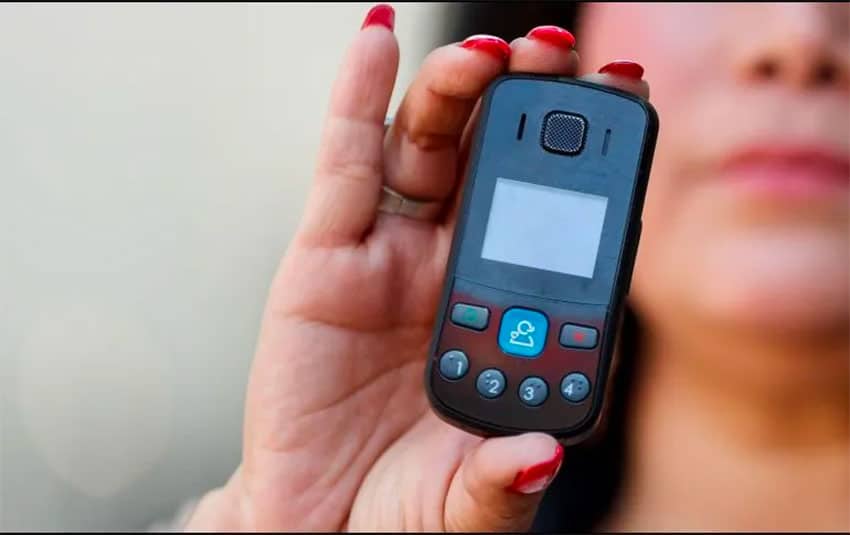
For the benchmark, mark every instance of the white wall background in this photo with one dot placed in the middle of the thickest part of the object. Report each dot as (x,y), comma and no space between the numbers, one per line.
(153,163)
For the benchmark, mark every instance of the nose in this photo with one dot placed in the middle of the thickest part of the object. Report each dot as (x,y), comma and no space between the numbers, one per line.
(801,46)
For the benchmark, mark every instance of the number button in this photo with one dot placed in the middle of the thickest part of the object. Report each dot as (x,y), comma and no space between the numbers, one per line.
(453,364)
(533,391)
(491,383)
(575,387)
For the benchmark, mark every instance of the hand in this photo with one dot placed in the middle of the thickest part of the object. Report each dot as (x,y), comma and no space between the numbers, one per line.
(338,433)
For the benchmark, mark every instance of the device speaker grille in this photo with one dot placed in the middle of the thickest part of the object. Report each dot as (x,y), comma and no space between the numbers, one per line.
(563,133)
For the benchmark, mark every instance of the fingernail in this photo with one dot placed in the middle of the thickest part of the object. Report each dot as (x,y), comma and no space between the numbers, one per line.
(490,44)
(553,35)
(624,67)
(537,477)
(382,14)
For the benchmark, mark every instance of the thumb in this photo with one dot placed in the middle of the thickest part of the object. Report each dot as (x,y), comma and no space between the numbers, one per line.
(501,482)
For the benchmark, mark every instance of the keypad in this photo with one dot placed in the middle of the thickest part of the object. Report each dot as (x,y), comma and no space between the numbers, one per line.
(519,332)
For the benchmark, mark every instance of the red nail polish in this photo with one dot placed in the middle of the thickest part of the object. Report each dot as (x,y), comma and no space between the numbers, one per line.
(536,478)
(490,44)
(623,67)
(553,35)
(382,14)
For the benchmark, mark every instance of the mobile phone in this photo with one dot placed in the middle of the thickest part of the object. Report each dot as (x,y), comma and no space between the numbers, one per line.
(542,257)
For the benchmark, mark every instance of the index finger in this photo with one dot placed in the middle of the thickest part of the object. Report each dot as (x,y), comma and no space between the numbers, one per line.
(345,191)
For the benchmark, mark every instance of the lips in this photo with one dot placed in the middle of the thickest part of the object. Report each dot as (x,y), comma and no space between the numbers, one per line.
(789,170)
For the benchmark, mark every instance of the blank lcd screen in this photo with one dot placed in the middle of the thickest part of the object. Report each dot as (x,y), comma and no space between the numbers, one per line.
(545,228)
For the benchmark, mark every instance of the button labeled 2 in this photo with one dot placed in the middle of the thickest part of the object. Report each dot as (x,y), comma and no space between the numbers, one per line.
(490,383)
(523,332)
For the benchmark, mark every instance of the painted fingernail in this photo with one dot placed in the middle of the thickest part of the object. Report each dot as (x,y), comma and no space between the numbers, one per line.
(490,44)
(553,35)
(381,14)
(537,477)
(624,67)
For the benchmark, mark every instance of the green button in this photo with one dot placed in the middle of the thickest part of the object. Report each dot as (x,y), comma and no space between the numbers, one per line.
(471,316)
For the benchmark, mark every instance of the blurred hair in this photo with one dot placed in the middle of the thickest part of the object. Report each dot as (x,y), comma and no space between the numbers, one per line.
(590,477)
(507,20)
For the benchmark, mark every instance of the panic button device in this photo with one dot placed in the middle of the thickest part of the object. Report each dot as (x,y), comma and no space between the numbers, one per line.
(541,258)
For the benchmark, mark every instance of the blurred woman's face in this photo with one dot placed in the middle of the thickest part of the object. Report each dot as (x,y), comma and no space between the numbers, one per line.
(746,219)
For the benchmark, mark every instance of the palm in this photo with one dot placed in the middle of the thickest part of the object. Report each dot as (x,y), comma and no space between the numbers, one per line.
(354,323)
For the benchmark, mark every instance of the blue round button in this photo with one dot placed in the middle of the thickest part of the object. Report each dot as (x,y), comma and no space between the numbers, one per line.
(533,391)
(575,387)
(490,383)
(453,364)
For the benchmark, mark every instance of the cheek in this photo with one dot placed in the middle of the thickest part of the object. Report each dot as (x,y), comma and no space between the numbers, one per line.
(703,258)
(705,255)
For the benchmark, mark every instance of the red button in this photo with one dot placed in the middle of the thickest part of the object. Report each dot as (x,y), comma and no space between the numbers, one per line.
(578,336)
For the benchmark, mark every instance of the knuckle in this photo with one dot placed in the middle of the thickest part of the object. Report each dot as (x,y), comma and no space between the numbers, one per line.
(351,171)
(351,151)
(460,84)
(430,141)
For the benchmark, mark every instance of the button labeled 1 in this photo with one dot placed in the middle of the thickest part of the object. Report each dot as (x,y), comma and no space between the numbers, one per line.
(453,364)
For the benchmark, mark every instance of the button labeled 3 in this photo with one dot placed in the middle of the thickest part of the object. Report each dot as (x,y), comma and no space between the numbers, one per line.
(533,391)
(523,332)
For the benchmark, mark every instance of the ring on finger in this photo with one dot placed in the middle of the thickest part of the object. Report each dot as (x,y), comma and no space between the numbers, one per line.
(393,202)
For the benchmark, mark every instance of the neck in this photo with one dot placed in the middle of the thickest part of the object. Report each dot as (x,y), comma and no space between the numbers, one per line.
(746,435)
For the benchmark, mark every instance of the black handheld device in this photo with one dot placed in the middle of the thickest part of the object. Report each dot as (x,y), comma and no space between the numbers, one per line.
(542,257)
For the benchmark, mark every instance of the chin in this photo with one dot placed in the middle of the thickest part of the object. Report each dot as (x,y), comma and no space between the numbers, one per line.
(783,284)
(780,284)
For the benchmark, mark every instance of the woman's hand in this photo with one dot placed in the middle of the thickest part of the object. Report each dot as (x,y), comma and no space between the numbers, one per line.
(338,433)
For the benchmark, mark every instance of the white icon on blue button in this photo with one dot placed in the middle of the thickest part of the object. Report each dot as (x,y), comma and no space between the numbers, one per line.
(523,332)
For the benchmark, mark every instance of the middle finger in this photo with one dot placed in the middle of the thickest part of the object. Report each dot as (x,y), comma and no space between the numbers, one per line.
(421,149)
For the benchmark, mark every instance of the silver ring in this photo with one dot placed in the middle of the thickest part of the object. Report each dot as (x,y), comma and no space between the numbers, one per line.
(393,202)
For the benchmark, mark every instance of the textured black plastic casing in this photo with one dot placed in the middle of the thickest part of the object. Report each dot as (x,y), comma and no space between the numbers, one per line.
(614,162)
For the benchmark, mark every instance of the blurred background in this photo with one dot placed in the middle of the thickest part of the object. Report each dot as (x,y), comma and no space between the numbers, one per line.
(153,161)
